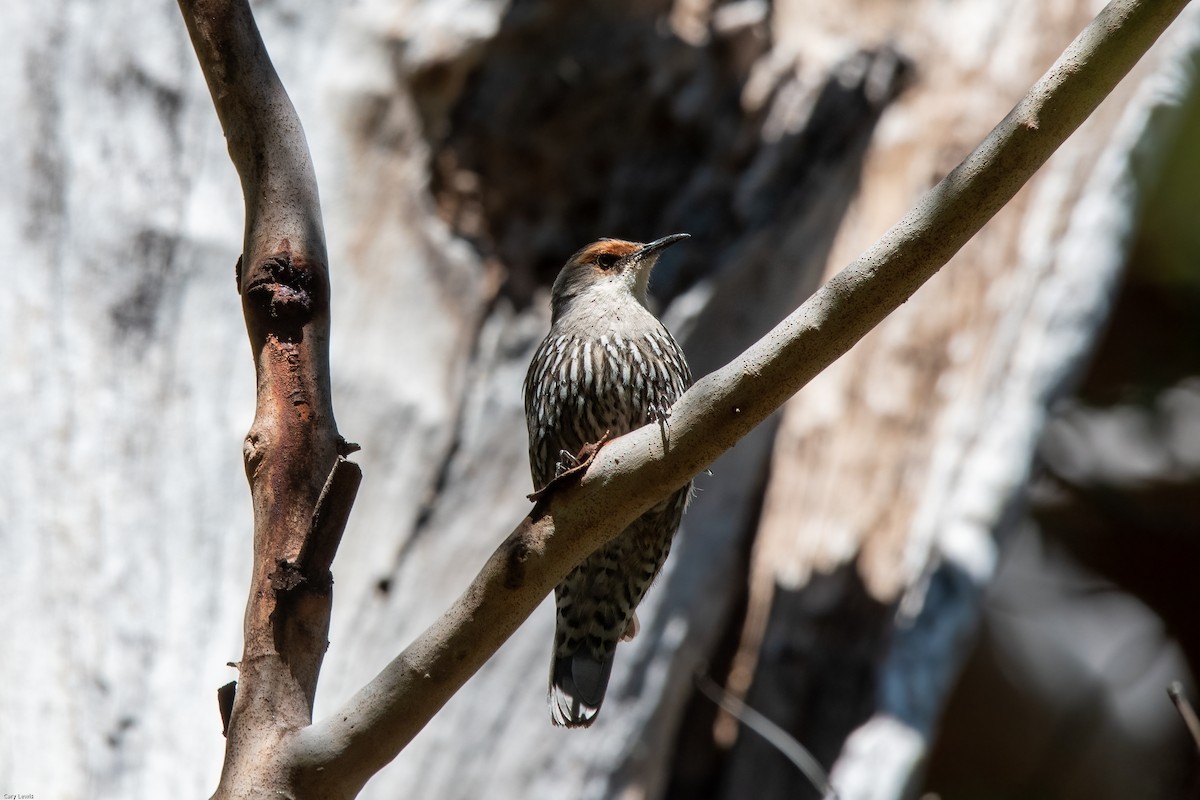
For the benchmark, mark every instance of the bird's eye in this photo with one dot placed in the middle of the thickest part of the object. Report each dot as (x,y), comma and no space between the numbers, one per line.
(606,260)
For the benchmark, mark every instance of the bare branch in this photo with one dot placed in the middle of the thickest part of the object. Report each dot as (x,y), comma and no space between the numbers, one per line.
(302,489)
(262,130)
(225,697)
(329,520)
(1184,707)
(787,745)
(632,473)
(384,716)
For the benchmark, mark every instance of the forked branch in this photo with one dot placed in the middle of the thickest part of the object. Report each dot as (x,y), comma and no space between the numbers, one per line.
(633,472)
(293,445)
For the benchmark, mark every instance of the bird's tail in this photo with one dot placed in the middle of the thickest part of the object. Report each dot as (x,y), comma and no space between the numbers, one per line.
(577,685)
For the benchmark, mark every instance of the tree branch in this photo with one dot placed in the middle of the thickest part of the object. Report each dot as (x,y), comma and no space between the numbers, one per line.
(302,490)
(1184,707)
(329,521)
(266,141)
(632,473)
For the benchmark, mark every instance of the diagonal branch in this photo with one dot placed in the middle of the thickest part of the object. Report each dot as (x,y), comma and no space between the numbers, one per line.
(632,473)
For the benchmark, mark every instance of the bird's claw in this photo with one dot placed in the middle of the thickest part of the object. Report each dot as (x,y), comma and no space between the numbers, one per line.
(662,417)
(566,462)
(582,460)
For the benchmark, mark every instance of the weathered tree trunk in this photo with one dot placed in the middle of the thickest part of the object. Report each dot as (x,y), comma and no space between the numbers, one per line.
(896,472)
(125,515)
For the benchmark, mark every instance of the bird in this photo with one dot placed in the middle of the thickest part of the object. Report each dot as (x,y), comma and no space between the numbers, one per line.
(608,366)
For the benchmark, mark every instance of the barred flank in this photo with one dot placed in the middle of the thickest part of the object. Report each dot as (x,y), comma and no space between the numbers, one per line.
(580,386)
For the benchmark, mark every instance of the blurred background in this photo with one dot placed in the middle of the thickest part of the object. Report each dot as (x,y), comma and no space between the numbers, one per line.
(959,564)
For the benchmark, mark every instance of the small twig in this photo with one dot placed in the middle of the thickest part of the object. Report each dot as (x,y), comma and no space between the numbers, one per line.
(329,519)
(775,736)
(583,459)
(661,416)
(1175,692)
(225,696)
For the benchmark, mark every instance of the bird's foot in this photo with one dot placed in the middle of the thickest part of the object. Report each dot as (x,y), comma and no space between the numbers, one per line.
(662,416)
(580,462)
(567,461)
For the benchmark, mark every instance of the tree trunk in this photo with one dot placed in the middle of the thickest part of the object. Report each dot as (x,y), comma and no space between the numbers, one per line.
(463,151)
(897,473)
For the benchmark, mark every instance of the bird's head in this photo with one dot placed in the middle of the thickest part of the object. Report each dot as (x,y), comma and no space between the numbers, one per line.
(609,269)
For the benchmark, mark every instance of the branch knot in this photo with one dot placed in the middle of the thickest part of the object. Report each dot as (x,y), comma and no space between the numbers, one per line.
(283,287)
(287,577)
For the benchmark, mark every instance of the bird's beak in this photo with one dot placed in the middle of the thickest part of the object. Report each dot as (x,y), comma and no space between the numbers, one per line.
(642,260)
(658,245)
